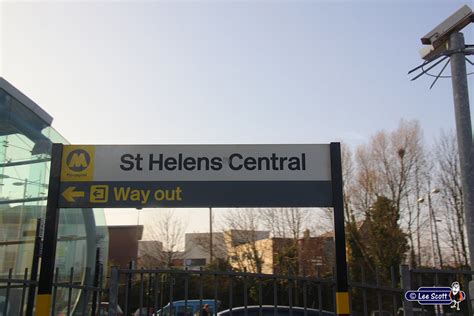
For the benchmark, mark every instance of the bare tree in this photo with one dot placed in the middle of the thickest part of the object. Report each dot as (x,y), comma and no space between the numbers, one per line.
(241,233)
(365,184)
(395,158)
(150,254)
(288,225)
(286,222)
(390,165)
(449,180)
(168,230)
(348,181)
(202,240)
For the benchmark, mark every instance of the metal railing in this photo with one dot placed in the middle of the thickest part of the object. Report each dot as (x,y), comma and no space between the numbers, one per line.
(375,297)
(184,293)
(15,294)
(156,290)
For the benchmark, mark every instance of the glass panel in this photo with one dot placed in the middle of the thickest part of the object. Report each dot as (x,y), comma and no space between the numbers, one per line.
(25,146)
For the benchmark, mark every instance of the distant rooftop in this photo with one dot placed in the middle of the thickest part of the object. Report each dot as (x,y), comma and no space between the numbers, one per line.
(118,228)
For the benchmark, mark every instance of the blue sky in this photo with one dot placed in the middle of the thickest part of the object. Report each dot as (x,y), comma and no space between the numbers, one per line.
(188,72)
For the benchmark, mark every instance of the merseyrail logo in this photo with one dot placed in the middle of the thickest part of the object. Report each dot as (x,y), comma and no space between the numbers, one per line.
(78,160)
(77,163)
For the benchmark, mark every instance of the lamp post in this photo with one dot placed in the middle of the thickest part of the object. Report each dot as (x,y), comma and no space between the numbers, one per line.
(435,221)
(432,220)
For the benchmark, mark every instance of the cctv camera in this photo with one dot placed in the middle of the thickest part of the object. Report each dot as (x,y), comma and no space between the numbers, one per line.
(428,52)
(456,22)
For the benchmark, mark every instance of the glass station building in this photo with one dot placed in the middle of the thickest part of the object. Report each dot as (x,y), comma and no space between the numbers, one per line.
(26,137)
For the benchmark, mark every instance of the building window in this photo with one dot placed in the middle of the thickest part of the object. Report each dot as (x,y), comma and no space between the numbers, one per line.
(195,262)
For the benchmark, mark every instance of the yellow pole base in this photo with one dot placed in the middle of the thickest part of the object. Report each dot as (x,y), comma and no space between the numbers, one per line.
(342,303)
(43,305)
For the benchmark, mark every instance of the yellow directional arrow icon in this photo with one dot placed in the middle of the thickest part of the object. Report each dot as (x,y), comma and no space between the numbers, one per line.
(69,194)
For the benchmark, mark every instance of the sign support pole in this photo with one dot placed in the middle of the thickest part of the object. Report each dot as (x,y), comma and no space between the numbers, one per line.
(45,285)
(342,294)
(210,235)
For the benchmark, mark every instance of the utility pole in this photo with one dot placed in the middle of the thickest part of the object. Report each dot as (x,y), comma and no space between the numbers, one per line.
(443,42)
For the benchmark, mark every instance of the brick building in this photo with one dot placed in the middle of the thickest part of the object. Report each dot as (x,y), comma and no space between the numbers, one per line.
(123,244)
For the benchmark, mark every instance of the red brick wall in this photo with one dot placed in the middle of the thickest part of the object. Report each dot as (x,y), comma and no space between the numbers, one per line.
(316,253)
(123,244)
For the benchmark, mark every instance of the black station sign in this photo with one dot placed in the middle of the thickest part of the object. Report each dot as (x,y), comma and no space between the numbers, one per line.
(195,176)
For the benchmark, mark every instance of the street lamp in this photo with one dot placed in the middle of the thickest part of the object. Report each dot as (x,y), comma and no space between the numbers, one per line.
(433,220)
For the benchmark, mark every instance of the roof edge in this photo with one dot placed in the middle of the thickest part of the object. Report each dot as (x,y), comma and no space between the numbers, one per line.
(22,98)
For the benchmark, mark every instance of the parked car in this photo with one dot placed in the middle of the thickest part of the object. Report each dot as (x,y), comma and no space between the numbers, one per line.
(144,311)
(269,310)
(417,311)
(380,313)
(192,307)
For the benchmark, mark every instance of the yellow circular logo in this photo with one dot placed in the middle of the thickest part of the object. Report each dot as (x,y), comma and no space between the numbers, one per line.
(78,160)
